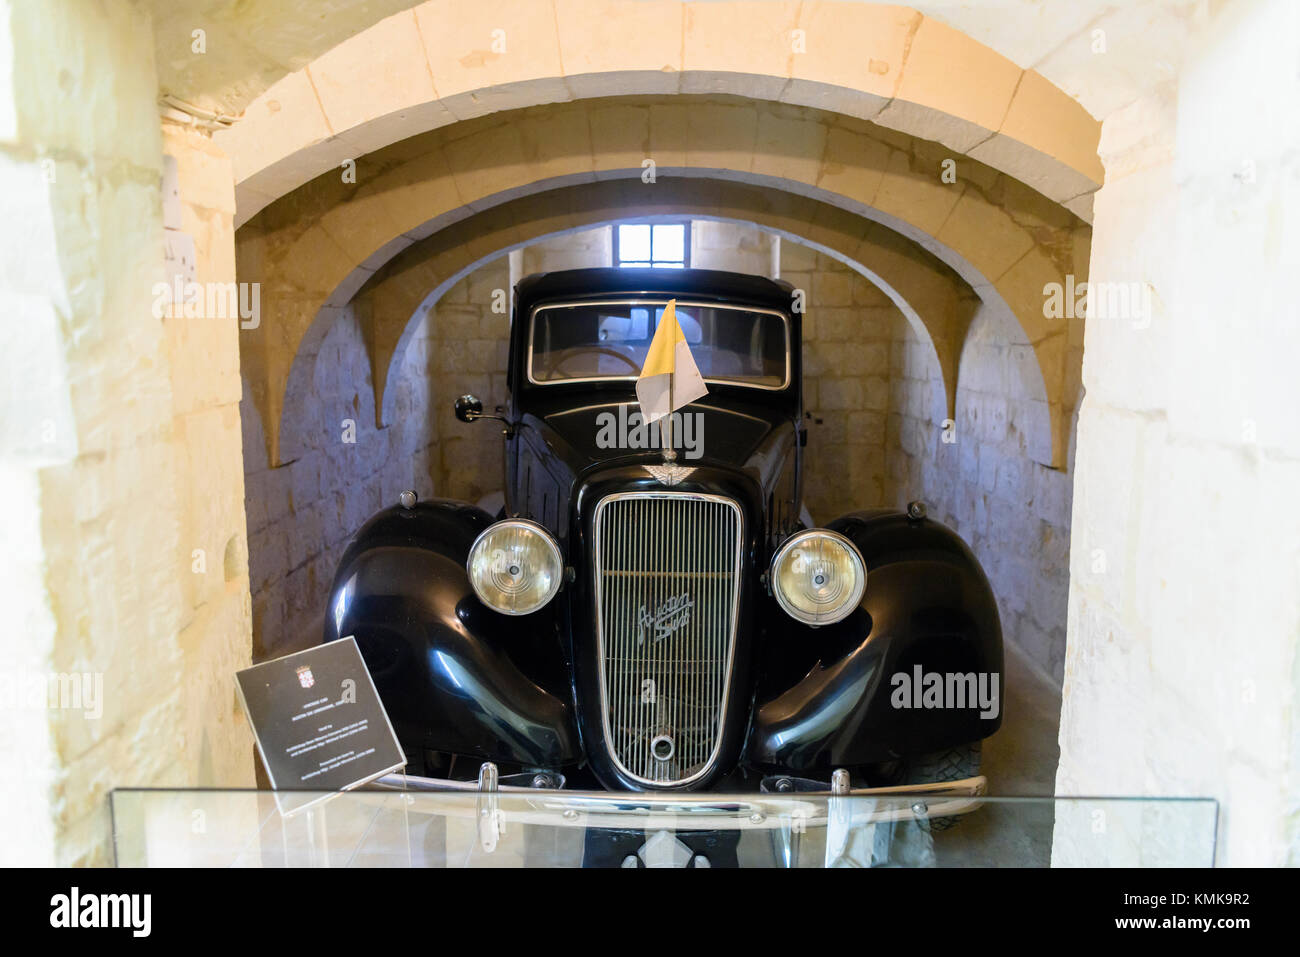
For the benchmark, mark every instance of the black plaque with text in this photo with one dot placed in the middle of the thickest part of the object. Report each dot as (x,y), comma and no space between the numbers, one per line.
(318,720)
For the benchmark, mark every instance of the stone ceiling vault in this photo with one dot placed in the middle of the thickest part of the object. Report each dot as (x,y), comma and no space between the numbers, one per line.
(319,245)
(426,68)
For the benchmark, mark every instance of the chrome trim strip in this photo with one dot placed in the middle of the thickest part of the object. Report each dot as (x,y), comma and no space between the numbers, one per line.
(731,637)
(532,330)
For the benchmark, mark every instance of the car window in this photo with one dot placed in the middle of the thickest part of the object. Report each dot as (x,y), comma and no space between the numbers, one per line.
(610,340)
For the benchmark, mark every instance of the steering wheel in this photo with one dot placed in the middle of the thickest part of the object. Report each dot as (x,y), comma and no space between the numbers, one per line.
(574,352)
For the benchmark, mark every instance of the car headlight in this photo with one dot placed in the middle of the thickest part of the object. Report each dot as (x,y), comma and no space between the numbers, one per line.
(818,576)
(515,567)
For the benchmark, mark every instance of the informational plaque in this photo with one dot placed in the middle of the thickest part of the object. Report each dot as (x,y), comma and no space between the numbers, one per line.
(318,720)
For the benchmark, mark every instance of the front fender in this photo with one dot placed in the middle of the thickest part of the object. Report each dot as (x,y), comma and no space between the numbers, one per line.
(927,605)
(454,675)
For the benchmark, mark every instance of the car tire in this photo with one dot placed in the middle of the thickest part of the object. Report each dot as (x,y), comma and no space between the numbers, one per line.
(952,764)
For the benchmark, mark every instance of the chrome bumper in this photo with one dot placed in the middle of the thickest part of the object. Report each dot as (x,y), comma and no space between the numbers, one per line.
(695,810)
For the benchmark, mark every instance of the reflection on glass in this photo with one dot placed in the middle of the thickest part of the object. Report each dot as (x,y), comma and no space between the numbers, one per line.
(388,826)
(611,341)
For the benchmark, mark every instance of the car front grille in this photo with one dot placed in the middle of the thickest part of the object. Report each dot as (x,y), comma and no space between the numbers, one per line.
(667,569)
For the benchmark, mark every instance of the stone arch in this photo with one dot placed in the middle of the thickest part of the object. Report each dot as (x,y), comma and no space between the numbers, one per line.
(439,285)
(318,246)
(412,282)
(892,65)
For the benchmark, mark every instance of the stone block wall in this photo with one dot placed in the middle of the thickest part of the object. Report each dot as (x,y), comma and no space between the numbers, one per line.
(584,249)
(848,325)
(341,469)
(974,476)
(468,350)
(736,247)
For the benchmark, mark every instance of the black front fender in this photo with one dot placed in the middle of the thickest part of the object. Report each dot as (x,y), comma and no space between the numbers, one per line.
(927,606)
(454,675)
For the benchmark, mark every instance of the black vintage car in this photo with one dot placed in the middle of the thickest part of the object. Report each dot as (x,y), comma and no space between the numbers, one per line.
(642,618)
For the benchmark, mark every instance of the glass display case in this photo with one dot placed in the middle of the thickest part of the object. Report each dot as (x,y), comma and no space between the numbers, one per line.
(397,822)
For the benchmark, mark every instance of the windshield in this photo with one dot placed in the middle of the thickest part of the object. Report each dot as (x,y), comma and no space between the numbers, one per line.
(609,340)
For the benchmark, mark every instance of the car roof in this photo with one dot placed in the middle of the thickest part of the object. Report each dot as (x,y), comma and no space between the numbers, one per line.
(712,284)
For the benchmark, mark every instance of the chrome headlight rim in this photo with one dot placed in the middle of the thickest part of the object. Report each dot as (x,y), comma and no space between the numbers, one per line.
(850,603)
(552,546)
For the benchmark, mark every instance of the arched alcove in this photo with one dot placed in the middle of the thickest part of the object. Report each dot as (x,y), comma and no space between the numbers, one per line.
(315,248)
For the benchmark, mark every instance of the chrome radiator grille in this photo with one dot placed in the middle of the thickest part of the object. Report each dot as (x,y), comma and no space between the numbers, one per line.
(667,570)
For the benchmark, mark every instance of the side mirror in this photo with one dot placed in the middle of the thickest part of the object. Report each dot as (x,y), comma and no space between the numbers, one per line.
(468,408)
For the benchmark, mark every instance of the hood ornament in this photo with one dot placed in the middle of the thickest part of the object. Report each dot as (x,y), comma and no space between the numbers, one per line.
(669,473)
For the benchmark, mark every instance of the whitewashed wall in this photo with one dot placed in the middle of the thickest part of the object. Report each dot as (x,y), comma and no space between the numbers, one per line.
(1182,675)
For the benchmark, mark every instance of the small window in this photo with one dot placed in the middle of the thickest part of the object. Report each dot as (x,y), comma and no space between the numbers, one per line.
(657,245)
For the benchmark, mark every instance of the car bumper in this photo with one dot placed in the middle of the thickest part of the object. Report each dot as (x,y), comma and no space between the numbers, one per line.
(692,810)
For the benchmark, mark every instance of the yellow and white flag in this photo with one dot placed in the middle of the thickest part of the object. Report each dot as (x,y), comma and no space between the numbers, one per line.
(669,379)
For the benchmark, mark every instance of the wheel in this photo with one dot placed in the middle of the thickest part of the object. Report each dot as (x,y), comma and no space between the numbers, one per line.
(953,764)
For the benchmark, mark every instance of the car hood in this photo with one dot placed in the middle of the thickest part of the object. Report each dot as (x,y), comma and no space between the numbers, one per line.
(612,432)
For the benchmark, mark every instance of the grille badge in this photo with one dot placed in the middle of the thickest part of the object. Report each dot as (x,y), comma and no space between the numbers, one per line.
(673,613)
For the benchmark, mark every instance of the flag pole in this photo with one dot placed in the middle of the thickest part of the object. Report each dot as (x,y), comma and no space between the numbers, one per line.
(670,453)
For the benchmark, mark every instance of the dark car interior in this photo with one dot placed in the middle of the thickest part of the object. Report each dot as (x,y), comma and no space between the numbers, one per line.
(610,340)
